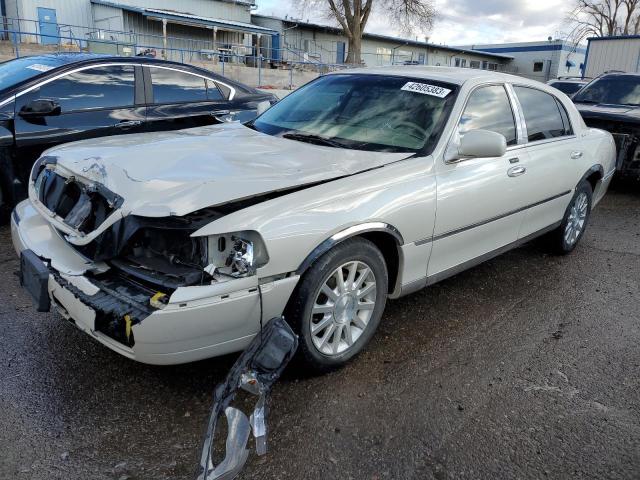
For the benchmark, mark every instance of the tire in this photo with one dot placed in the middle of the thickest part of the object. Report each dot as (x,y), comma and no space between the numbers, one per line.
(338,320)
(564,239)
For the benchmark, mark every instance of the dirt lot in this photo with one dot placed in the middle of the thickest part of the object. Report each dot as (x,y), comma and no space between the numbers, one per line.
(525,367)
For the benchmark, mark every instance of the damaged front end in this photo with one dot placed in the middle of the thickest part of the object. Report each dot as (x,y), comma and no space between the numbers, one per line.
(147,259)
(255,372)
(627,139)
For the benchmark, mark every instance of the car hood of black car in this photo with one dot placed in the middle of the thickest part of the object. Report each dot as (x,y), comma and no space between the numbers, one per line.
(601,111)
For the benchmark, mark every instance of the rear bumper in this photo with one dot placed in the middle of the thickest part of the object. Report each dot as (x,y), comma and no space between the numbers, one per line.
(202,322)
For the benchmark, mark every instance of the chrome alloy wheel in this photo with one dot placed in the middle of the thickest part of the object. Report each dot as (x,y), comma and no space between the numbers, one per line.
(576,220)
(343,307)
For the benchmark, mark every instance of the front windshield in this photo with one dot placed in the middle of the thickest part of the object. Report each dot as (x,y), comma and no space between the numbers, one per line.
(614,90)
(568,88)
(17,71)
(364,112)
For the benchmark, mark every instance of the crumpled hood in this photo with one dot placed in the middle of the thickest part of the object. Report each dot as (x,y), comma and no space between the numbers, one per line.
(176,173)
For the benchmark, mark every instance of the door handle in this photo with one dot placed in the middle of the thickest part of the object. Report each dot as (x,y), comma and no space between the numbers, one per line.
(129,124)
(516,171)
(219,113)
(576,155)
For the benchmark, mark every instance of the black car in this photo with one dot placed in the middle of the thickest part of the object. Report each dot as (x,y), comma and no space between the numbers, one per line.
(51,99)
(568,85)
(612,102)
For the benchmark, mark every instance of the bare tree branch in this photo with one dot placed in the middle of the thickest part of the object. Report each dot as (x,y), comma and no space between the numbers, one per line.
(352,16)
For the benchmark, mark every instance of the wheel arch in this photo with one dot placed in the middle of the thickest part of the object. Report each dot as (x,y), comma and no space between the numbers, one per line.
(384,236)
(593,175)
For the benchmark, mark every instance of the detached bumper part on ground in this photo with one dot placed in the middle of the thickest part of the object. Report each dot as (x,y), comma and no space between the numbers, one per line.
(255,371)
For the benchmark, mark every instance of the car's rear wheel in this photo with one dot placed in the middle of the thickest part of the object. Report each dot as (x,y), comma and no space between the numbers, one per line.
(565,238)
(339,302)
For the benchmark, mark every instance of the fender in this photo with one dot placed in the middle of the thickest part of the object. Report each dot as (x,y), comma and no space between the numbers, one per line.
(342,235)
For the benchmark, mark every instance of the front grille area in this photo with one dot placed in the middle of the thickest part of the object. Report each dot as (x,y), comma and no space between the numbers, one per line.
(627,139)
(82,207)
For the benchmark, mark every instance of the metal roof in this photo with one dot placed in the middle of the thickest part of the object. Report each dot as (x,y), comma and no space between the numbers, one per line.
(188,18)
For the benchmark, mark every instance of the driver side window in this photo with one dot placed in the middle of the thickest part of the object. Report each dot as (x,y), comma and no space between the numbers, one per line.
(489,108)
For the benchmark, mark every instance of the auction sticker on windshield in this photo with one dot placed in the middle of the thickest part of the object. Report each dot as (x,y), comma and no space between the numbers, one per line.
(426,89)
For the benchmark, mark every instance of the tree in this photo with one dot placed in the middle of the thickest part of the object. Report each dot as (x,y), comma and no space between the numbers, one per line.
(352,16)
(603,18)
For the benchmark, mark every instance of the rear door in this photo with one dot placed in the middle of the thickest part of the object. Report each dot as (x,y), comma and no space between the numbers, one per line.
(178,99)
(552,149)
(93,102)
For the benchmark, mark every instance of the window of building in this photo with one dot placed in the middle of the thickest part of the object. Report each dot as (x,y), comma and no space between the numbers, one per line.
(542,114)
(493,66)
(171,86)
(98,87)
(458,61)
(474,64)
(384,55)
(463,62)
(538,66)
(421,58)
(485,64)
(489,108)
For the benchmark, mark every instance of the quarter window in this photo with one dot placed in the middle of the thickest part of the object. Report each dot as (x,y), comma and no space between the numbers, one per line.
(542,114)
(93,88)
(489,108)
(171,86)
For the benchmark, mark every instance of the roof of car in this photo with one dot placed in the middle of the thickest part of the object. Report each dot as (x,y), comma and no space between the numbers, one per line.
(62,60)
(454,75)
(569,80)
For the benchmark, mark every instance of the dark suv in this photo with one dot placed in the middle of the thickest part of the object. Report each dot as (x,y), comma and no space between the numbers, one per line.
(612,102)
(50,99)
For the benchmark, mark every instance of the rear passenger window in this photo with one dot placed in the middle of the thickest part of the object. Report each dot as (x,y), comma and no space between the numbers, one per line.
(489,108)
(171,86)
(542,114)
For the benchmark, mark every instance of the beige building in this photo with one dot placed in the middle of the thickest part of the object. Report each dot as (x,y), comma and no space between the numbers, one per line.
(310,42)
(612,53)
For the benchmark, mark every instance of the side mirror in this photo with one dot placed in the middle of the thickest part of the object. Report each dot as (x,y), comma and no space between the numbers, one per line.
(479,144)
(40,108)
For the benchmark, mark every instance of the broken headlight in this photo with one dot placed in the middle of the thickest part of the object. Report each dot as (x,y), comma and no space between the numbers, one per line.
(237,254)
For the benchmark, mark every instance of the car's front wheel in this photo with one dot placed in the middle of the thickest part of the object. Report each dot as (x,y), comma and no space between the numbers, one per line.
(339,302)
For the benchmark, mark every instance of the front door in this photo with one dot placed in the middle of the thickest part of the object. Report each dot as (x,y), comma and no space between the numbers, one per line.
(340,52)
(477,200)
(48,25)
(93,102)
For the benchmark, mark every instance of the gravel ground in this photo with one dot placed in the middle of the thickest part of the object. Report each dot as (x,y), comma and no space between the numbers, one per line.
(527,366)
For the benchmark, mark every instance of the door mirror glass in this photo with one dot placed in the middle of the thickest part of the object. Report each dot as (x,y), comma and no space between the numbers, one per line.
(40,108)
(480,144)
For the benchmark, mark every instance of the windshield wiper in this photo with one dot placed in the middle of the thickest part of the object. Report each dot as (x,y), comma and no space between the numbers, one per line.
(315,139)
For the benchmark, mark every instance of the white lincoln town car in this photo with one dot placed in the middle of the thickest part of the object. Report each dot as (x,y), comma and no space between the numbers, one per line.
(360,186)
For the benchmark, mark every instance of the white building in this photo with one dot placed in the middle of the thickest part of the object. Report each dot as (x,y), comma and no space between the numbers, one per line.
(304,41)
(612,53)
(541,61)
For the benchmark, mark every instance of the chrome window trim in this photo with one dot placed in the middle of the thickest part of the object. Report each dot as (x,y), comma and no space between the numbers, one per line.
(7,100)
(112,64)
(521,127)
(232,90)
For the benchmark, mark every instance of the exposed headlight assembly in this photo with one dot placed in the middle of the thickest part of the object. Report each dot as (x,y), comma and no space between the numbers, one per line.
(237,254)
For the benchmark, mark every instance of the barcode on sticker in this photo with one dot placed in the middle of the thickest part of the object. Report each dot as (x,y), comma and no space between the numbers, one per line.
(426,89)
(38,67)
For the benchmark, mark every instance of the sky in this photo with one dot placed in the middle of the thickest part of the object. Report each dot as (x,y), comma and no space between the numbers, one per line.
(462,22)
